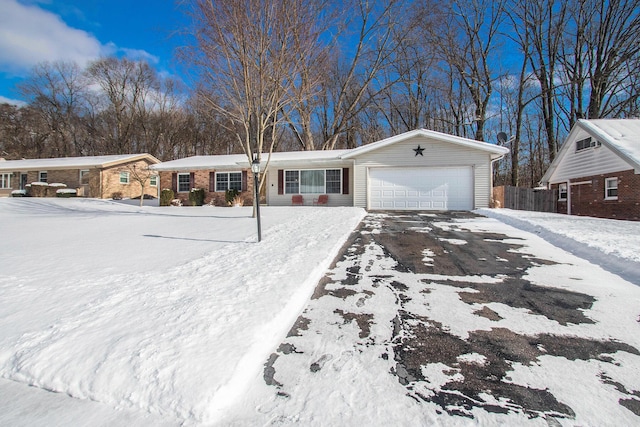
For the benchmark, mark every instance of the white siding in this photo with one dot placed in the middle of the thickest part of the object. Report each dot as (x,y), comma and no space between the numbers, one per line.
(436,154)
(275,199)
(588,162)
(422,188)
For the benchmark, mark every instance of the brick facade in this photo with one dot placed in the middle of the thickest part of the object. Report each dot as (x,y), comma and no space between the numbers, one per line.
(589,199)
(111,182)
(99,182)
(202,179)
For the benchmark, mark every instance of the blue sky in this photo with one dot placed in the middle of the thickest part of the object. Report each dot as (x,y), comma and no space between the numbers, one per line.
(32,31)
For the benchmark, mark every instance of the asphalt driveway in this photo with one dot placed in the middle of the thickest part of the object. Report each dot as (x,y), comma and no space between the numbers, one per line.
(404,291)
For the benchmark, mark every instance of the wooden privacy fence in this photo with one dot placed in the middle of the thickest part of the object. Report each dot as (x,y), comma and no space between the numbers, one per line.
(525,199)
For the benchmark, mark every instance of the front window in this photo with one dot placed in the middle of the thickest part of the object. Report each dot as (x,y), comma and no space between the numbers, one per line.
(153,180)
(228,181)
(84,177)
(611,188)
(562,191)
(314,181)
(292,182)
(184,183)
(124,177)
(5,180)
(334,181)
(42,176)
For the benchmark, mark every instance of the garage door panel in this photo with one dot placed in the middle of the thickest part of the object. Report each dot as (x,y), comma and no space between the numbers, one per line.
(421,188)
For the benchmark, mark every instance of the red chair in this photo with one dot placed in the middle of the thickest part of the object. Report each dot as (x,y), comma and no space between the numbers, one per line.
(297,199)
(322,200)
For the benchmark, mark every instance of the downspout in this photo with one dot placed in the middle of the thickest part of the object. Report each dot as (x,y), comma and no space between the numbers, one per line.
(352,190)
(569,197)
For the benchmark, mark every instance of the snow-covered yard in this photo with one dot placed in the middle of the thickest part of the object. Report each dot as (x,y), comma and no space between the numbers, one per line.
(170,314)
(168,310)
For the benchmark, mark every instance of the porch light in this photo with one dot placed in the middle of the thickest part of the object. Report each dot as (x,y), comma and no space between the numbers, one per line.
(255,168)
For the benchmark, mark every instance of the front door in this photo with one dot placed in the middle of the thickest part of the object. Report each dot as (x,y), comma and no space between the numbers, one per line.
(23,181)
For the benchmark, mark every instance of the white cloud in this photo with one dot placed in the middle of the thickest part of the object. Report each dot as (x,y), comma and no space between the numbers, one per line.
(139,54)
(30,35)
(17,102)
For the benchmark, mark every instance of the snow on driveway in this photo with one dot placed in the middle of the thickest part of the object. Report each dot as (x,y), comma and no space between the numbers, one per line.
(504,330)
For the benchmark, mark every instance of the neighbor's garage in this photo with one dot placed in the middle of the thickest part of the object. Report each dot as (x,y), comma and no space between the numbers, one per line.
(432,188)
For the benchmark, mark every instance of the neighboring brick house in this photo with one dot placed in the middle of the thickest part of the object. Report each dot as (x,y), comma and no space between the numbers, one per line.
(597,170)
(97,176)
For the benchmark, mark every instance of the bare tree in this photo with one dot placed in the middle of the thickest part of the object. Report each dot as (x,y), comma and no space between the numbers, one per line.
(354,80)
(58,94)
(141,175)
(251,56)
(466,38)
(122,103)
(602,57)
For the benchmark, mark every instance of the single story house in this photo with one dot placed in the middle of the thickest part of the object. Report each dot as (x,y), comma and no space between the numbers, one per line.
(97,176)
(416,170)
(597,170)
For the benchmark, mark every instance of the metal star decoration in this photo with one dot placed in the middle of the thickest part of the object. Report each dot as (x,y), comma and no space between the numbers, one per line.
(419,150)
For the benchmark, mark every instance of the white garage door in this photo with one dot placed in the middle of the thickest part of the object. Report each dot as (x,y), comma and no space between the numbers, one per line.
(421,188)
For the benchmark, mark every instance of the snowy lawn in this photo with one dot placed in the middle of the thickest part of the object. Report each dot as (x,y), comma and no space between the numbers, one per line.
(615,237)
(174,312)
(167,310)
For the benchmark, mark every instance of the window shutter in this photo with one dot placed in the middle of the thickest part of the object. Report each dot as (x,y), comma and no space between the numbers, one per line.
(192,180)
(174,182)
(345,180)
(244,180)
(280,181)
(212,181)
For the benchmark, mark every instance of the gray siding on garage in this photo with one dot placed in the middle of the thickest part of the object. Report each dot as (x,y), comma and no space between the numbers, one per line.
(436,154)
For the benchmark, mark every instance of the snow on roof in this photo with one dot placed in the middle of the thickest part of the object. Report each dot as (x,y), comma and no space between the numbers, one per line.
(241,160)
(72,162)
(282,158)
(497,150)
(621,135)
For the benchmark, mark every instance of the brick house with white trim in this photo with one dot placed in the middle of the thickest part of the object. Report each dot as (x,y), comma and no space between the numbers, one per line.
(597,170)
(416,170)
(91,176)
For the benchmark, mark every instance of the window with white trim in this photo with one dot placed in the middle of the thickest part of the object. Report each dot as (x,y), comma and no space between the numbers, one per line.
(42,176)
(84,177)
(611,188)
(313,181)
(228,181)
(562,191)
(124,177)
(184,182)
(153,180)
(5,180)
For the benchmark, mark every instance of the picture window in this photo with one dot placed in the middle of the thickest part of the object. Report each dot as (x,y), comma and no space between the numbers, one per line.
(313,181)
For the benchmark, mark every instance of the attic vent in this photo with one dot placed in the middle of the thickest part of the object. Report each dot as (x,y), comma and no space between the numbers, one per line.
(583,144)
